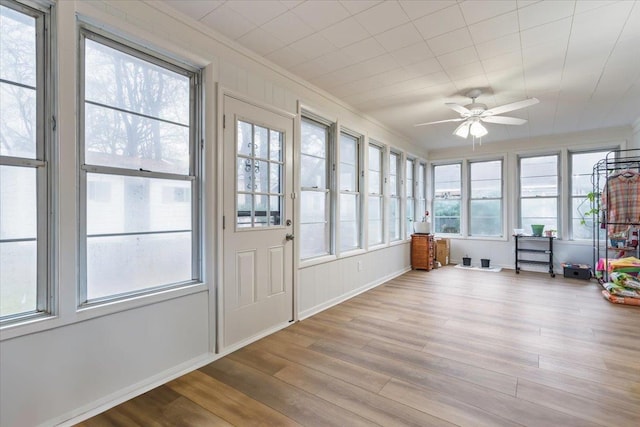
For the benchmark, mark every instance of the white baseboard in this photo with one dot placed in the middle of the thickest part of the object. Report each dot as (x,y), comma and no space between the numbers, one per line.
(92,409)
(335,301)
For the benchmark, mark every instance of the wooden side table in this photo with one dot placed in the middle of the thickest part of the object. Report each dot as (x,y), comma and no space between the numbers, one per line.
(422,251)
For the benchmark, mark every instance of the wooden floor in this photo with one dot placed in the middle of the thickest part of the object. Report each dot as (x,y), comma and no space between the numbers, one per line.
(447,347)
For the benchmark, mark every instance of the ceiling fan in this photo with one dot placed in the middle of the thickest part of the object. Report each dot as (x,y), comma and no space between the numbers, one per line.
(472,115)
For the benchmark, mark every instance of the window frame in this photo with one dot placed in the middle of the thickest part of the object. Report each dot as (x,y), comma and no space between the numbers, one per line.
(460,199)
(410,183)
(359,175)
(395,197)
(328,190)
(470,198)
(558,157)
(89,32)
(378,196)
(45,151)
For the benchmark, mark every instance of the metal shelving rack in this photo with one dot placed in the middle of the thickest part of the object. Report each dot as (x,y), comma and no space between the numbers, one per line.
(615,161)
(548,251)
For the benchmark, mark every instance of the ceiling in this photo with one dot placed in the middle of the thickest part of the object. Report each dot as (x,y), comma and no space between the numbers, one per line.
(400,61)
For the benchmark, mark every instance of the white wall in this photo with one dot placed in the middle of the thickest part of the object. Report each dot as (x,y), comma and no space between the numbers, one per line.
(501,251)
(79,360)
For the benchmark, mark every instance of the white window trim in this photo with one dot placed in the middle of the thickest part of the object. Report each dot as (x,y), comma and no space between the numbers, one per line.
(463,192)
(380,195)
(501,198)
(560,188)
(398,196)
(360,217)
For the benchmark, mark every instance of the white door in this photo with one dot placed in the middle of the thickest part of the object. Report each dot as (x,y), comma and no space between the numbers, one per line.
(258,214)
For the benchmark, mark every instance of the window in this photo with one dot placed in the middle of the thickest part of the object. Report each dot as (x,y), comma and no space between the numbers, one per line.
(315,224)
(394,196)
(375,195)
(139,171)
(539,191)
(447,189)
(349,192)
(25,100)
(485,201)
(421,196)
(581,165)
(410,196)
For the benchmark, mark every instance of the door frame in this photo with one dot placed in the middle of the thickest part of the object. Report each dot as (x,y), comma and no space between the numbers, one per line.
(217,294)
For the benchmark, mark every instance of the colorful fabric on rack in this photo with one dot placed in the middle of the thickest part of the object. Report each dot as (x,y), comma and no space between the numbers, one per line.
(630,265)
(621,199)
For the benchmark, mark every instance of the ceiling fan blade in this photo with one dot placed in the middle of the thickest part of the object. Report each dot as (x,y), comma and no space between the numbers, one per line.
(510,107)
(439,121)
(458,108)
(503,120)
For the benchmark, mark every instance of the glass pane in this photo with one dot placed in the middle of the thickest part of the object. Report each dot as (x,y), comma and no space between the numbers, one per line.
(18,203)
(245,210)
(486,179)
(274,178)
(348,149)
(314,172)
(582,163)
(275,145)
(261,218)
(581,185)
(18,277)
(447,181)
(348,178)
(375,158)
(446,216)
(17,47)
(313,207)
(314,139)
(539,166)
(275,210)
(421,176)
(245,138)
(394,219)
(393,185)
(261,176)
(114,138)
(124,204)
(539,186)
(375,220)
(245,174)
(486,218)
(314,240)
(121,264)
(261,141)
(421,210)
(393,163)
(117,79)
(539,211)
(375,183)
(410,215)
(409,178)
(349,228)
(17,121)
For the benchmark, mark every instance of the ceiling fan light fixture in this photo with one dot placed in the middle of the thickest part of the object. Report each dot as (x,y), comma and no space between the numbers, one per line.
(463,130)
(477,130)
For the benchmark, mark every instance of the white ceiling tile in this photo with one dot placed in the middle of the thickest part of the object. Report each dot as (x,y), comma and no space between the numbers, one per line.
(608,20)
(465,71)
(357,6)
(544,12)
(428,66)
(311,69)
(584,6)
(459,57)
(440,22)
(321,14)
(525,3)
(365,49)
(338,59)
(288,28)
(450,42)
(416,9)
(345,33)
(494,28)
(508,60)
(258,12)
(631,29)
(312,46)
(411,54)
(285,57)
(557,31)
(228,22)
(382,17)
(399,37)
(476,11)
(259,41)
(464,85)
(497,47)
(193,8)
(544,55)
(290,4)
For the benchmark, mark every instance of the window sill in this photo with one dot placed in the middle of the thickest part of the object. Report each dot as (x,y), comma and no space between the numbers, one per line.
(315,261)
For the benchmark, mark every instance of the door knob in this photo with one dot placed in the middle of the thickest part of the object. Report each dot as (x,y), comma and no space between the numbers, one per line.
(289,236)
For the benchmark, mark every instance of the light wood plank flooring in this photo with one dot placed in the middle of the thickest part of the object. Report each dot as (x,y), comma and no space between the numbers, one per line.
(446,347)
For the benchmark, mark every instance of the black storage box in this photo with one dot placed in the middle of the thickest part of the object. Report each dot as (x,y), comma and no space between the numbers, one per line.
(577,271)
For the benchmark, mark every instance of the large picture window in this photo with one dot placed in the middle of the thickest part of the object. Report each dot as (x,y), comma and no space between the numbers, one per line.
(394,196)
(539,191)
(485,201)
(375,195)
(581,164)
(315,225)
(138,133)
(349,192)
(25,143)
(447,202)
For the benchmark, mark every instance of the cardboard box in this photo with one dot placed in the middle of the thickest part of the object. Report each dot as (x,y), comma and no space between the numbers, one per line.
(442,251)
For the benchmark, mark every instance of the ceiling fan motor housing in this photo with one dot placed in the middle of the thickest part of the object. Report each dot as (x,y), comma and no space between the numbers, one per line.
(476,108)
